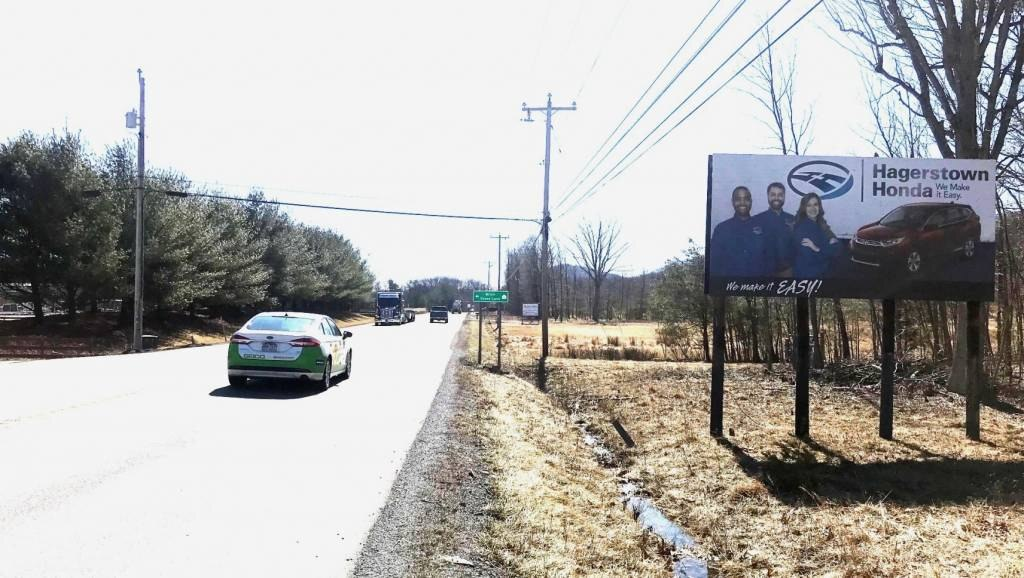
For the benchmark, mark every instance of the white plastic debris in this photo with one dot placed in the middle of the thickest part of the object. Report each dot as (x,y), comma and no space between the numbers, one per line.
(457,560)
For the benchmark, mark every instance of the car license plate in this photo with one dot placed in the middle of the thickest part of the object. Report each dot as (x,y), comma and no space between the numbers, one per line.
(270,347)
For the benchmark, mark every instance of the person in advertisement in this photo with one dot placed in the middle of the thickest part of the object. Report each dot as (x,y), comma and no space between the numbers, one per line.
(814,245)
(739,245)
(778,227)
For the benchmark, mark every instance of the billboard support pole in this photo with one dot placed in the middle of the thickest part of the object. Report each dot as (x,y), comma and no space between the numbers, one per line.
(500,307)
(802,395)
(973,420)
(717,364)
(885,403)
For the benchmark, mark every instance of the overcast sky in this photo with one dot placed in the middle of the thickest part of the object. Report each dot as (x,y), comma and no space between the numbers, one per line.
(416,106)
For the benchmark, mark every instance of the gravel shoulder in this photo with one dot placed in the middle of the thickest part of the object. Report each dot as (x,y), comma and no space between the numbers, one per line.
(438,509)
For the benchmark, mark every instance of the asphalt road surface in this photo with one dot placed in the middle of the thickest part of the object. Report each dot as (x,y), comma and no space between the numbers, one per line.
(151,465)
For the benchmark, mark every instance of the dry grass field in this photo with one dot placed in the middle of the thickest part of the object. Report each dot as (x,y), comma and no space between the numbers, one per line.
(843,503)
(636,341)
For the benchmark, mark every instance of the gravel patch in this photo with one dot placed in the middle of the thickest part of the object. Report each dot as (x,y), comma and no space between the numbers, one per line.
(438,508)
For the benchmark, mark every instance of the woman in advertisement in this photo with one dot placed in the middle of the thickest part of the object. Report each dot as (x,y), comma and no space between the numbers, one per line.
(814,243)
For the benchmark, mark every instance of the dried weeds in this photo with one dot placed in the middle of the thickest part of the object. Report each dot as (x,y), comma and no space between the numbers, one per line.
(556,512)
(845,503)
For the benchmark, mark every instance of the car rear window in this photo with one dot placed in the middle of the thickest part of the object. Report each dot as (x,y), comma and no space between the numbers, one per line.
(445,309)
(279,323)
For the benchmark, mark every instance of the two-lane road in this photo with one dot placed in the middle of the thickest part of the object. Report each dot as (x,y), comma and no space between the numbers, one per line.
(151,465)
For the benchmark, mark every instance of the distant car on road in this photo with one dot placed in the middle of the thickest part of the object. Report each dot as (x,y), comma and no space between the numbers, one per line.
(288,345)
(916,234)
(439,313)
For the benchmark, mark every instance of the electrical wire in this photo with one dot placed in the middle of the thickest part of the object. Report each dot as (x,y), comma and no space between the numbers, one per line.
(593,65)
(269,189)
(717,90)
(540,43)
(577,180)
(604,178)
(575,28)
(352,209)
(637,103)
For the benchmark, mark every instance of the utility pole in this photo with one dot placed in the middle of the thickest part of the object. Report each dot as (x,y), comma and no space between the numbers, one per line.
(139,211)
(499,237)
(548,111)
(500,305)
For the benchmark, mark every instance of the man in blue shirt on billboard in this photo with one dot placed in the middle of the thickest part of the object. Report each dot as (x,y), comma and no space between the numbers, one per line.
(739,245)
(778,228)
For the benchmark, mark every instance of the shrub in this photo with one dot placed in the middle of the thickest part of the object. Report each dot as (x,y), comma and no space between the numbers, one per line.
(673,334)
(639,354)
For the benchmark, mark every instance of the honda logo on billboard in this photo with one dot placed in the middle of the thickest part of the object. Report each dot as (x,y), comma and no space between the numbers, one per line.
(825,178)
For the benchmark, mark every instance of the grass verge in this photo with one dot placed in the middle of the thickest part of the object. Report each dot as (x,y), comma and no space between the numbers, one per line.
(844,503)
(556,511)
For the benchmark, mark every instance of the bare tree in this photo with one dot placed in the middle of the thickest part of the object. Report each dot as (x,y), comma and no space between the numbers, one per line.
(597,250)
(899,131)
(773,89)
(773,77)
(959,65)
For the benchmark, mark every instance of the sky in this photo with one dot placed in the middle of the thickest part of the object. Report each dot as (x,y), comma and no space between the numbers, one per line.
(416,106)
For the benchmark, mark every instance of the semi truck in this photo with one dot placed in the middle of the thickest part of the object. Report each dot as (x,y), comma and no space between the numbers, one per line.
(457,306)
(391,309)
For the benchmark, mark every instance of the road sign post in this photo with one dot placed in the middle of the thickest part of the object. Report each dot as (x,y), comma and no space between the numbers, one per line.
(499,297)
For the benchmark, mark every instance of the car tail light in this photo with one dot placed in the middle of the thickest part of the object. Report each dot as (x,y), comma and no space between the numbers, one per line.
(239,338)
(304,342)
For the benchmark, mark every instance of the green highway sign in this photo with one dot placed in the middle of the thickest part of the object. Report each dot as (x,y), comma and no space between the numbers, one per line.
(490,296)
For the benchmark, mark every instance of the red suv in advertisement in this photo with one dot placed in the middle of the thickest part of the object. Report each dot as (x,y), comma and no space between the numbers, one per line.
(917,234)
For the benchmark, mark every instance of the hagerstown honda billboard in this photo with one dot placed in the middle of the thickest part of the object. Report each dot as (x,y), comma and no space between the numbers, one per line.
(876,228)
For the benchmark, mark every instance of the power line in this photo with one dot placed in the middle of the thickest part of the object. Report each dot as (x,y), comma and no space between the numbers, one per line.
(250,187)
(700,50)
(637,103)
(600,51)
(572,34)
(352,209)
(604,178)
(717,90)
(540,41)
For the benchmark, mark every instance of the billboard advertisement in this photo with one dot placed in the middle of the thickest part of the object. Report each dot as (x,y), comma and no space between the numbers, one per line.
(855,227)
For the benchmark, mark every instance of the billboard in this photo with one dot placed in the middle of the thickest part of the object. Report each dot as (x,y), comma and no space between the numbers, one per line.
(856,227)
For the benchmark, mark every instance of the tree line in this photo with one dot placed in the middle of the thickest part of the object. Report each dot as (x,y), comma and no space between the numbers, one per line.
(67,237)
(437,291)
(760,330)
